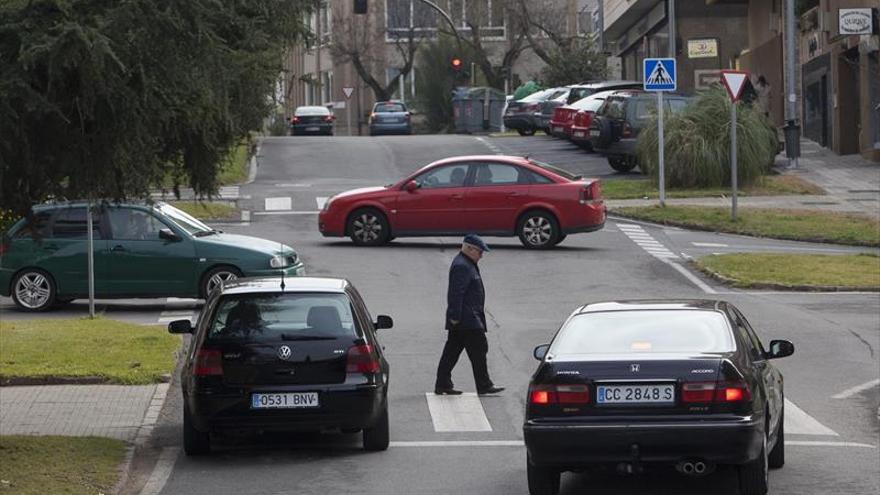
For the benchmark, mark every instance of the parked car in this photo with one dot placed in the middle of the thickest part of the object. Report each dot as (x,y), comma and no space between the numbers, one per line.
(523,115)
(390,117)
(631,384)
(312,120)
(489,195)
(617,124)
(140,250)
(575,92)
(561,125)
(284,354)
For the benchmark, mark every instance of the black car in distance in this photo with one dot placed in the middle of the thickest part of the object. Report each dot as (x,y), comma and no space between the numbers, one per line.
(295,354)
(634,384)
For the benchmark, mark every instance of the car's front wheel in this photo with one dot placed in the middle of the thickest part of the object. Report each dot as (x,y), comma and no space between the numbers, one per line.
(377,438)
(33,290)
(621,164)
(526,132)
(538,230)
(195,442)
(217,277)
(368,227)
(542,480)
(753,476)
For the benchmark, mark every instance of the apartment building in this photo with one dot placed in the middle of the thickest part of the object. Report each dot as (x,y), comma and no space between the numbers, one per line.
(311,75)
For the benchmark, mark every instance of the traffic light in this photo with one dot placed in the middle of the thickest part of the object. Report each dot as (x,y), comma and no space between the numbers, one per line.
(360,6)
(456,64)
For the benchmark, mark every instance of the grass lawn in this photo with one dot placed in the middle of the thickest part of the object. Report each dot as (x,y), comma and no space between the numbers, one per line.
(856,271)
(208,210)
(770,185)
(81,348)
(59,465)
(799,225)
(235,170)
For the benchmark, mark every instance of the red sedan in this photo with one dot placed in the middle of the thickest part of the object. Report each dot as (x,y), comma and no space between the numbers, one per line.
(571,121)
(488,195)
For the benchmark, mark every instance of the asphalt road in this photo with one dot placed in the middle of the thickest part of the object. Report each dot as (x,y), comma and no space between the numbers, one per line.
(833,444)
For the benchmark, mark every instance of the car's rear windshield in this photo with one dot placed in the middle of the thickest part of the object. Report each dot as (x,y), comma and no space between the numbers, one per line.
(279,317)
(540,95)
(590,103)
(646,331)
(389,107)
(305,111)
(556,170)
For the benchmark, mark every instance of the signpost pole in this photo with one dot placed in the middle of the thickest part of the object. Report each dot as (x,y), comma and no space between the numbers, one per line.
(660,142)
(733,172)
(348,117)
(91,259)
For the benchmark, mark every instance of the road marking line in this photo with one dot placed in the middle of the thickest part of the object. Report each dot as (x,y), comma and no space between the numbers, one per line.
(690,276)
(276,204)
(284,184)
(708,244)
(162,471)
(856,390)
(245,216)
(457,412)
(289,212)
(829,444)
(460,443)
(797,422)
(321,200)
(629,226)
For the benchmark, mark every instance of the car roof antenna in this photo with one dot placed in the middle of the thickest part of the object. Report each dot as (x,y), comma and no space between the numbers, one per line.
(282,268)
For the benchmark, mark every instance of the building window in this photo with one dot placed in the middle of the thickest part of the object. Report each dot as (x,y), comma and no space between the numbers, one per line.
(326,87)
(405,16)
(321,19)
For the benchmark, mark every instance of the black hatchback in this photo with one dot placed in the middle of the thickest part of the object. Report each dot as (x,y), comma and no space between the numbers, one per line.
(299,354)
(625,385)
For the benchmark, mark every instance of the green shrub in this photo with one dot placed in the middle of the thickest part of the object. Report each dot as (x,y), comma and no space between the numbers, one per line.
(697,148)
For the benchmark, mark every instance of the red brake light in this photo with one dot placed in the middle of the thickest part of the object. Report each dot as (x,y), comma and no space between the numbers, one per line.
(330,118)
(542,397)
(360,359)
(697,392)
(732,392)
(208,363)
(715,392)
(591,193)
(559,394)
(627,130)
(295,120)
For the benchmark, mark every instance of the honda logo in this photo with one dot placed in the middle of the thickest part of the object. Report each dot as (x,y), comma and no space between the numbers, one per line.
(284,353)
(634,368)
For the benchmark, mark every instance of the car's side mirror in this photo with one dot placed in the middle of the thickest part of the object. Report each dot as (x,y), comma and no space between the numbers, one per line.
(180,326)
(168,235)
(780,349)
(541,351)
(411,186)
(383,321)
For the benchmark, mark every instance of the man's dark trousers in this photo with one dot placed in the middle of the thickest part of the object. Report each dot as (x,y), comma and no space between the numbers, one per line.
(476,345)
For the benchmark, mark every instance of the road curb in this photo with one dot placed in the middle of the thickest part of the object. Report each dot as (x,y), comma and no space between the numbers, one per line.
(151,417)
(252,163)
(734,282)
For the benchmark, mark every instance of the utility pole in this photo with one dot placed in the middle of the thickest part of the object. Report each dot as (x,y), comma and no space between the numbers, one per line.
(792,131)
(670,22)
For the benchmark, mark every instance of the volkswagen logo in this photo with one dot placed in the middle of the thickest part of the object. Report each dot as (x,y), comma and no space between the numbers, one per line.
(284,353)
(634,368)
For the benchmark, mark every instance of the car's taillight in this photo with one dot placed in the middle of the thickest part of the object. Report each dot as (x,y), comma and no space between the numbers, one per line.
(295,120)
(591,193)
(4,246)
(627,130)
(559,394)
(329,118)
(360,359)
(531,107)
(208,363)
(406,116)
(705,392)
(372,116)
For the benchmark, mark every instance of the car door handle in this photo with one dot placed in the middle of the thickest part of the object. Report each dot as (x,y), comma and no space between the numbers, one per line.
(456,197)
(50,247)
(118,248)
(513,195)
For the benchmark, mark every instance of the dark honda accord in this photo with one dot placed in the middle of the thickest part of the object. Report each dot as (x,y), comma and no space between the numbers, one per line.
(296,354)
(629,384)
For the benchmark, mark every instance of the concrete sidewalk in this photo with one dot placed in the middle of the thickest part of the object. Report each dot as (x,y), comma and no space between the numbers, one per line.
(116,411)
(851,182)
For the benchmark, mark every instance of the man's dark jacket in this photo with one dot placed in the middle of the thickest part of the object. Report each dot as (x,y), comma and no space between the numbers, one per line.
(466,296)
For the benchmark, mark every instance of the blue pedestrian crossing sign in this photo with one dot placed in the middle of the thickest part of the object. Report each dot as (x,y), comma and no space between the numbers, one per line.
(659,74)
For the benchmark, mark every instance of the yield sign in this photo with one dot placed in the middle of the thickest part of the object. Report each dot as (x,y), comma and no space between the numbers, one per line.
(734,81)
(347,92)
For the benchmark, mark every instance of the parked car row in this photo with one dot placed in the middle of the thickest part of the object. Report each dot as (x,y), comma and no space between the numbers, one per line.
(386,117)
(605,117)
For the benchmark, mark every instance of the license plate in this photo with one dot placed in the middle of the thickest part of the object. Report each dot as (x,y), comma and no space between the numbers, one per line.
(594,133)
(578,134)
(557,129)
(635,394)
(310,129)
(293,400)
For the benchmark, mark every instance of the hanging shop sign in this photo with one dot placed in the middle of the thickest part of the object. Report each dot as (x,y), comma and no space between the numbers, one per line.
(855,21)
(703,48)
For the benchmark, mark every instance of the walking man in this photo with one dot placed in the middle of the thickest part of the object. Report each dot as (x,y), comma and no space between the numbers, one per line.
(466,320)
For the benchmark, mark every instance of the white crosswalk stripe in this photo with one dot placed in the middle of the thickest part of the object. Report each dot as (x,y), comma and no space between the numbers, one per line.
(457,412)
(278,204)
(646,241)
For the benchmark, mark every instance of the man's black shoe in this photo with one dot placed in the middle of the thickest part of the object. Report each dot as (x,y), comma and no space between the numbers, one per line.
(447,391)
(491,390)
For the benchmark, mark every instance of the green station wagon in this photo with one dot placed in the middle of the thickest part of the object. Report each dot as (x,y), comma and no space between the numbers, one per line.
(140,250)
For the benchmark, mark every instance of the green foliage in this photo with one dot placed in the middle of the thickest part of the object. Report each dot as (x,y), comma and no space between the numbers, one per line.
(697,148)
(576,63)
(436,81)
(106,99)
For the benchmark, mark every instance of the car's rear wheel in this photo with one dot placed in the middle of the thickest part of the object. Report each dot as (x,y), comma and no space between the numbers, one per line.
(777,455)
(377,437)
(195,442)
(559,238)
(537,230)
(216,277)
(753,476)
(542,480)
(368,227)
(526,132)
(33,290)
(621,164)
